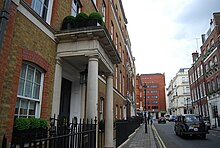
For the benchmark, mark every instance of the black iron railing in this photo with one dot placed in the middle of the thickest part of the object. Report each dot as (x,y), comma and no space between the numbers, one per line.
(124,128)
(62,134)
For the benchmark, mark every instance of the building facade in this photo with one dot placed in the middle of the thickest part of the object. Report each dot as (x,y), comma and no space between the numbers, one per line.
(84,72)
(178,93)
(205,71)
(197,86)
(139,95)
(153,94)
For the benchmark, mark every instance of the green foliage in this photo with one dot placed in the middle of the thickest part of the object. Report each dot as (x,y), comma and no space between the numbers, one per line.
(43,123)
(82,19)
(69,19)
(22,123)
(96,16)
(34,122)
(30,123)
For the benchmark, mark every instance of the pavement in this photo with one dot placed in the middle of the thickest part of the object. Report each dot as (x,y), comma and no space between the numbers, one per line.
(140,139)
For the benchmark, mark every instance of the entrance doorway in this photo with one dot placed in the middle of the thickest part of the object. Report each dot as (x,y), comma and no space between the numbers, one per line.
(65,98)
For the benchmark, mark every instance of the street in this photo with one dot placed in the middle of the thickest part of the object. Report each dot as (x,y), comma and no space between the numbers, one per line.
(171,140)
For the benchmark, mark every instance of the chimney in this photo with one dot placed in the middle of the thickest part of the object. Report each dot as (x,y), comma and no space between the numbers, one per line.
(211,21)
(195,55)
(203,38)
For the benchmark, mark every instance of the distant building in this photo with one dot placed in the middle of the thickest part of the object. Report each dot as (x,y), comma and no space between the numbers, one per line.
(153,88)
(205,74)
(139,95)
(178,93)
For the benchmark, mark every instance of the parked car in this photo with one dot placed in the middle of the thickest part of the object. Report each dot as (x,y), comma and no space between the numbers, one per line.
(189,125)
(172,118)
(167,117)
(162,120)
(207,122)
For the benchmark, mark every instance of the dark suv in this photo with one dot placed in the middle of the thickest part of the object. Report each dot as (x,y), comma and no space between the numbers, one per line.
(189,125)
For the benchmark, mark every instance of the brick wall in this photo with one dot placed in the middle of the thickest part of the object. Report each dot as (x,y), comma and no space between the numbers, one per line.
(21,44)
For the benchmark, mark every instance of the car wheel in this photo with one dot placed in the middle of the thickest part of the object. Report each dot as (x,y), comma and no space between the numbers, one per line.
(181,134)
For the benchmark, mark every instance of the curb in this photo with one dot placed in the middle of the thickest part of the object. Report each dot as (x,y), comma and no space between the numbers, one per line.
(159,142)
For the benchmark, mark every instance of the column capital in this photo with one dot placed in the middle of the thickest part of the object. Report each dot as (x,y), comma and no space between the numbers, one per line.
(59,60)
(94,58)
(109,74)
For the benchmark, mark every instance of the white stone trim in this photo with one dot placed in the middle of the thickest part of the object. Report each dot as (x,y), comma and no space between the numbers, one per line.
(35,21)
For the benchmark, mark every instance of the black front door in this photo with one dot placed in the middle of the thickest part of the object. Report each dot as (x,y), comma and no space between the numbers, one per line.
(65,97)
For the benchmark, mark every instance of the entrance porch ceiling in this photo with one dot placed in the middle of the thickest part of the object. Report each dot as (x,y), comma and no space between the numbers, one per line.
(78,45)
(80,63)
(98,33)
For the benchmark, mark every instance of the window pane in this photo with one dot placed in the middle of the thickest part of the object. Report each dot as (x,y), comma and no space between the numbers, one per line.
(74,8)
(45,9)
(23,70)
(30,74)
(29,86)
(23,107)
(32,108)
(37,77)
(21,87)
(28,89)
(17,106)
(37,7)
(36,91)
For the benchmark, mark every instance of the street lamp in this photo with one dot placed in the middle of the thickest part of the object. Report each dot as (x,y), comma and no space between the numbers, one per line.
(145,109)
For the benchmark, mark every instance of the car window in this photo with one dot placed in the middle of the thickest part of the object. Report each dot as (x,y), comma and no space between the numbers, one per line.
(191,118)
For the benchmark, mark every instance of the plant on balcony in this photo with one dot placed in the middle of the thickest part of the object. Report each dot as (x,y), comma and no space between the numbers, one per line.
(81,19)
(95,18)
(68,22)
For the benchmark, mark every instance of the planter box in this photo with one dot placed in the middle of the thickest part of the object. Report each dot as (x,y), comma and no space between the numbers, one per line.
(26,136)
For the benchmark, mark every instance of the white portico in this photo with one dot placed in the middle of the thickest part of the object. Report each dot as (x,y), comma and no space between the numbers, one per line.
(83,55)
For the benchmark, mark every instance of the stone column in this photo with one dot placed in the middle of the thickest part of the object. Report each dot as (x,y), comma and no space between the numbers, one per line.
(57,88)
(92,89)
(109,113)
(83,79)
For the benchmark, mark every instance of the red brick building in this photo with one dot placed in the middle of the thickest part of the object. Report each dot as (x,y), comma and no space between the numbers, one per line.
(153,88)
(139,98)
(83,72)
(205,74)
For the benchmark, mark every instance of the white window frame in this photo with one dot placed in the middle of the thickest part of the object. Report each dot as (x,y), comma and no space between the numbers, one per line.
(101,108)
(204,90)
(120,82)
(116,41)
(94,1)
(123,85)
(103,10)
(40,12)
(22,97)
(75,8)
(112,30)
(201,67)
(116,77)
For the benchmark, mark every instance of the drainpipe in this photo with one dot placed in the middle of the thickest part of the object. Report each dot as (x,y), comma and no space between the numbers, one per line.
(4,17)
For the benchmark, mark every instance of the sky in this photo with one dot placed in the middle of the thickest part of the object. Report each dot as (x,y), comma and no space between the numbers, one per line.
(165,33)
